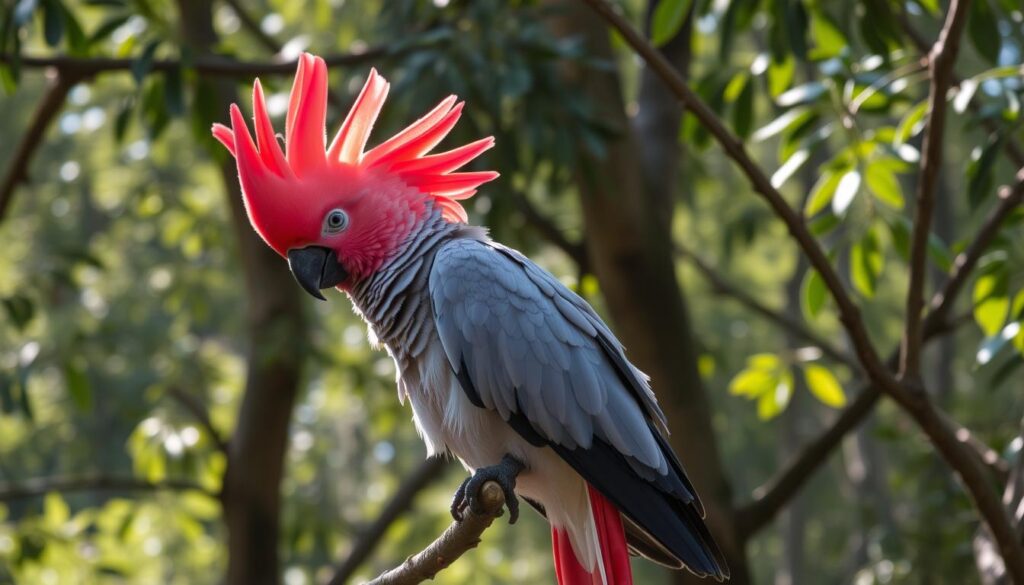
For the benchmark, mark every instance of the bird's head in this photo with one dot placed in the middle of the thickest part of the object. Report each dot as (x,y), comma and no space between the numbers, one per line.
(335,212)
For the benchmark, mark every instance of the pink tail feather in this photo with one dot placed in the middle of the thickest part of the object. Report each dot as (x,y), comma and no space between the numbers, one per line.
(614,550)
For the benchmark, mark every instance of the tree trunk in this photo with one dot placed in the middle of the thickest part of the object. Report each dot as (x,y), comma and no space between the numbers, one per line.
(630,248)
(276,330)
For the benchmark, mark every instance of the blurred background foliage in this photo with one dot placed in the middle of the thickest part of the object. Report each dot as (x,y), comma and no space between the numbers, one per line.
(123,345)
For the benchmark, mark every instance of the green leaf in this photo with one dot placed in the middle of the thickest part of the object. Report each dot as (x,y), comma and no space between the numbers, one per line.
(751,383)
(791,166)
(866,263)
(983,30)
(53,23)
(846,191)
(812,294)
(743,110)
(822,192)
(20,310)
(775,400)
(829,41)
(900,228)
(979,173)
(824,386)
(144,63)
(55,510)
(668,18)
(991,300)
(174,95)
(823,224)
(764,361)
(78,385)
(8,79)
(790,119)
(939,252)
(107,27)
(911,124)
(780,74)
(993,344)
(883,183)
(801,94)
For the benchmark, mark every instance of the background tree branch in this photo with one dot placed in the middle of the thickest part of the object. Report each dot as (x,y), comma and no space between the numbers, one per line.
(59,83)
(33,488)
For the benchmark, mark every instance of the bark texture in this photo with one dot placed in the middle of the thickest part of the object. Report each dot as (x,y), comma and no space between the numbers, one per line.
(276,334)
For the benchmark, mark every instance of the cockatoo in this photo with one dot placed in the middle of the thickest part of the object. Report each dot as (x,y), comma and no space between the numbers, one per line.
(503,366)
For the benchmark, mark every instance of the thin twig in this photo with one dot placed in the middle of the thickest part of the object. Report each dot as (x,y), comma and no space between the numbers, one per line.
(51,104)
(210,65)
(1010,146)
(456,540)
(400,503)
(200,413)
(1010,197)
(940,65)
(722,285)
(33,488)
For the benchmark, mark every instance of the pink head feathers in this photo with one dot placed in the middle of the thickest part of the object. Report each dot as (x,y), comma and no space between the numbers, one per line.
(287,192)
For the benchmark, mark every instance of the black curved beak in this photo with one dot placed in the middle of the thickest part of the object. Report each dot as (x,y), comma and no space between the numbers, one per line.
(315,268)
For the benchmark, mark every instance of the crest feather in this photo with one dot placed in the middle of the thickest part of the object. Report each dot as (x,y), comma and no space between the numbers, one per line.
(404,155)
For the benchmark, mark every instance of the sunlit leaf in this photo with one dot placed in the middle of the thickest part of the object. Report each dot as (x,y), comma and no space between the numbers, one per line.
(822,192)
(668,18)
(991,300)
(78,385)
(866,263)
(829,41)
(846,192)
(752,383)
(911,124)
(824,386)
(775,400)
(801,94)
(983,30)
(780,74)
(884,185)
(993,344)
(791,166)
(812,294)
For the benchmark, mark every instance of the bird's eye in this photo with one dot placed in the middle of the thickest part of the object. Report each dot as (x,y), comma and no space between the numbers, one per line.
(335,221)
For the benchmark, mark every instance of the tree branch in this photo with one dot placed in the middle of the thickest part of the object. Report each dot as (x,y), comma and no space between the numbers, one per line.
(200,413)
(51,104)
(207,64)
(940,66)
(771,497)
(1010,197)
(913,399)
(458,538)
(400,503)
(722,285)
(41,486)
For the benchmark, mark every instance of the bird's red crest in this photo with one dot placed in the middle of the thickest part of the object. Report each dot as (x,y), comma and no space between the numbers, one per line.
(276,182)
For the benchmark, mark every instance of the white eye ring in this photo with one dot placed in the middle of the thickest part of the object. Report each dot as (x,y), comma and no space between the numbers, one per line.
(335,221)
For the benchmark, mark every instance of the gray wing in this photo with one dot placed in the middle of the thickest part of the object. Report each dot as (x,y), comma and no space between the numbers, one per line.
(524,345)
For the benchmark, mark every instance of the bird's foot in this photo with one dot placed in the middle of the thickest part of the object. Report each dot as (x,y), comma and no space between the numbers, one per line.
(504,474)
